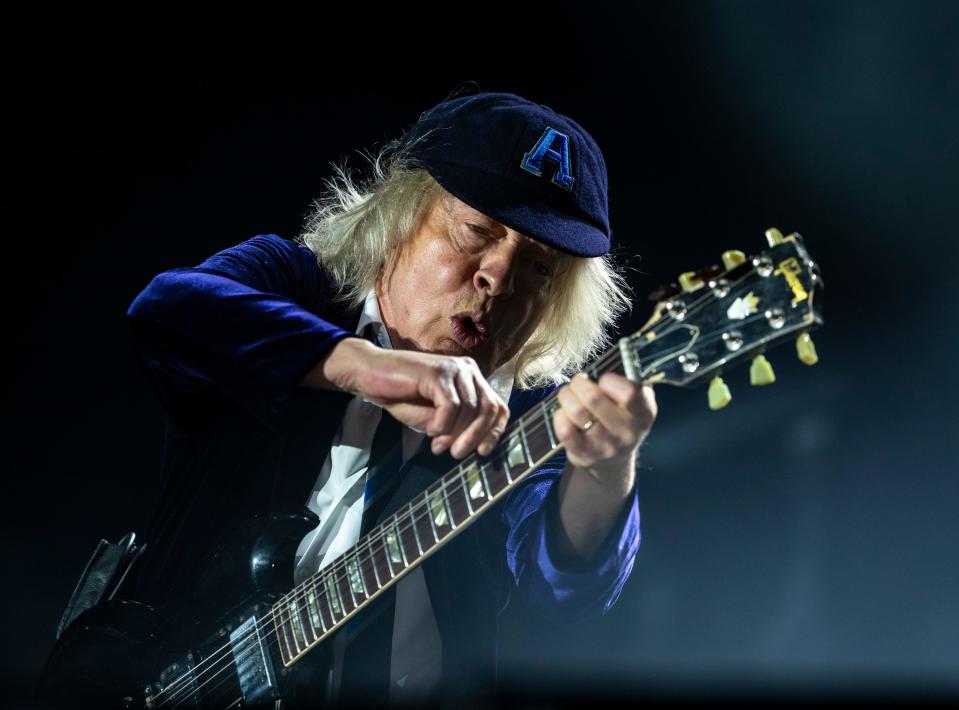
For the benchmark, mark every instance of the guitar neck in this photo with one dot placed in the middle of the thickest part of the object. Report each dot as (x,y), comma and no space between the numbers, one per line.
(324,602)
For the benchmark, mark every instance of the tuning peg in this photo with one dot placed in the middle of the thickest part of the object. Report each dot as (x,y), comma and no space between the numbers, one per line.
(761,372)
(733,258)
(689,281)
(806,349)
(774,236)
(718,394)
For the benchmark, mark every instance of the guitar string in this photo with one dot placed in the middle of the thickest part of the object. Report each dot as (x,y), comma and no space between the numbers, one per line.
(379,533)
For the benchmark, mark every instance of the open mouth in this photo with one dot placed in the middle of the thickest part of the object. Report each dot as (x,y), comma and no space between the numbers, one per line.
(468,330)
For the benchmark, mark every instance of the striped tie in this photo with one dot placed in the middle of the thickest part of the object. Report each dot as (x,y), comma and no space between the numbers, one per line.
(383,474)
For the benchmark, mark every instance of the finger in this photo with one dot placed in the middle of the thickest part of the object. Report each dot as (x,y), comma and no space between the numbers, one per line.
(496,431)
(574,409)
(441,390)
(583,448)
(637,399)
(602,408)
(488,423)
(467,410)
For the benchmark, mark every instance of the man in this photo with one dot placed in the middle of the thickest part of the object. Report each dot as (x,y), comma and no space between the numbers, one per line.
(469,272)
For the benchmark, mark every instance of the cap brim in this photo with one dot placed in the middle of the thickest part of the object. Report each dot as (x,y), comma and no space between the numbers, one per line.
(526,214)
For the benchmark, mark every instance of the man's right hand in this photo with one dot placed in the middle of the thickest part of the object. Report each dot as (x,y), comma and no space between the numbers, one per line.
(444,396)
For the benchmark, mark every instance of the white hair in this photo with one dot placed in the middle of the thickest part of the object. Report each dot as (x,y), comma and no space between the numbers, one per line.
(354,227)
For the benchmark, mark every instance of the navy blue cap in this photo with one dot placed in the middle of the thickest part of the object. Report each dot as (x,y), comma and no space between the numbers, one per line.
(524,165)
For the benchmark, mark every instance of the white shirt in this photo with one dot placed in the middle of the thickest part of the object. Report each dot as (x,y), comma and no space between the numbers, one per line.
(337,499)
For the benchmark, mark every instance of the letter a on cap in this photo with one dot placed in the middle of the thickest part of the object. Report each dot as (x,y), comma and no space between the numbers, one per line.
(533,160)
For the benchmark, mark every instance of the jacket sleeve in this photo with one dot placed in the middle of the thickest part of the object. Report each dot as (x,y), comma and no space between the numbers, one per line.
(241,324)
(548,584)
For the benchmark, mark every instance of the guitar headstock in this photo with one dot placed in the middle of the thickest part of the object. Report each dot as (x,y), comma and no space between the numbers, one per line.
(711,319)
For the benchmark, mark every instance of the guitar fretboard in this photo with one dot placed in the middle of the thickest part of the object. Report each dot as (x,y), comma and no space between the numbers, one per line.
(322,603)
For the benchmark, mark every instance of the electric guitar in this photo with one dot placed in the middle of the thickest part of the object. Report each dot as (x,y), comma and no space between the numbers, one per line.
(124,654)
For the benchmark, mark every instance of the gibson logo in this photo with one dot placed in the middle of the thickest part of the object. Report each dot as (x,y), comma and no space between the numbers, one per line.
(789,269)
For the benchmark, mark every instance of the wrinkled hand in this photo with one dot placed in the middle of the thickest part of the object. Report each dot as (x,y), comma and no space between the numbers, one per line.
(444,396)
(602,423)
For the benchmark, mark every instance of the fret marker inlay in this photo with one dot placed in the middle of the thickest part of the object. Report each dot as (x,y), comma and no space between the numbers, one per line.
(515,455)
(474,482)
(332,594)
(393,546)
(438,510)
(353,573)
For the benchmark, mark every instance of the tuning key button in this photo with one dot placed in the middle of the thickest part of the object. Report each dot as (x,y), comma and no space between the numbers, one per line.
(676,308)
(761,372)
(763,265)
(720,288)
(776,318)
(732,259)
(718,394)
(733,340)
(774,236)
(689,282)
(689,362)
(806,349)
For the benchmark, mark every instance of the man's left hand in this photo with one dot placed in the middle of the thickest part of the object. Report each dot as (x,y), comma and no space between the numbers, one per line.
(602,424)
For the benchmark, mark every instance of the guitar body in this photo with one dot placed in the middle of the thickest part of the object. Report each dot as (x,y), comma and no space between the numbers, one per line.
(204,649)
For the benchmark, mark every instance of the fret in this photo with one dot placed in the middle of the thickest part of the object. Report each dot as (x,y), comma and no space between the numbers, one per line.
(309,631)
(342,582)
(412,526)
(548,418)
(326,616)
(316,618)
(457,503)
(446,502)
(538,442)
(281,633)
(466,492)
(431,514)
(485,480)
(333,597)
(376,574)
(424,524)
(390,547)
(437,507)
(494,474)
(293,614)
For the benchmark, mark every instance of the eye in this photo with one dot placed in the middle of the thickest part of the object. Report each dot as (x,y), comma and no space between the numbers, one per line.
(478,229)
(542,269)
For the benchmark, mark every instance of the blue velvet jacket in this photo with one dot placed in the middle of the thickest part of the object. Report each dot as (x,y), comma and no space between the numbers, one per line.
(225,345)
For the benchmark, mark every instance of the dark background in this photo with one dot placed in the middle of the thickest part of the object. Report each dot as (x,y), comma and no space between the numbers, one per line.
(801,541)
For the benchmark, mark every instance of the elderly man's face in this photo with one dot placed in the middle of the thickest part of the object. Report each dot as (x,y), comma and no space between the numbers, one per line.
(464,284)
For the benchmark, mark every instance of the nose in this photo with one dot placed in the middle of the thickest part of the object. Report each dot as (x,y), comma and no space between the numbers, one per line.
(494,276)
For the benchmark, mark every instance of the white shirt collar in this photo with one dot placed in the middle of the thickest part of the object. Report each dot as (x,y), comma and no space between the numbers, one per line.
(501,380)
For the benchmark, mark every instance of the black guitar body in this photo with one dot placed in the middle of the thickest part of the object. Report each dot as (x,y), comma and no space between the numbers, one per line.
(204,650)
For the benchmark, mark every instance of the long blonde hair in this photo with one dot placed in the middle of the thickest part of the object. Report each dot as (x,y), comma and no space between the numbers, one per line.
(354,226)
